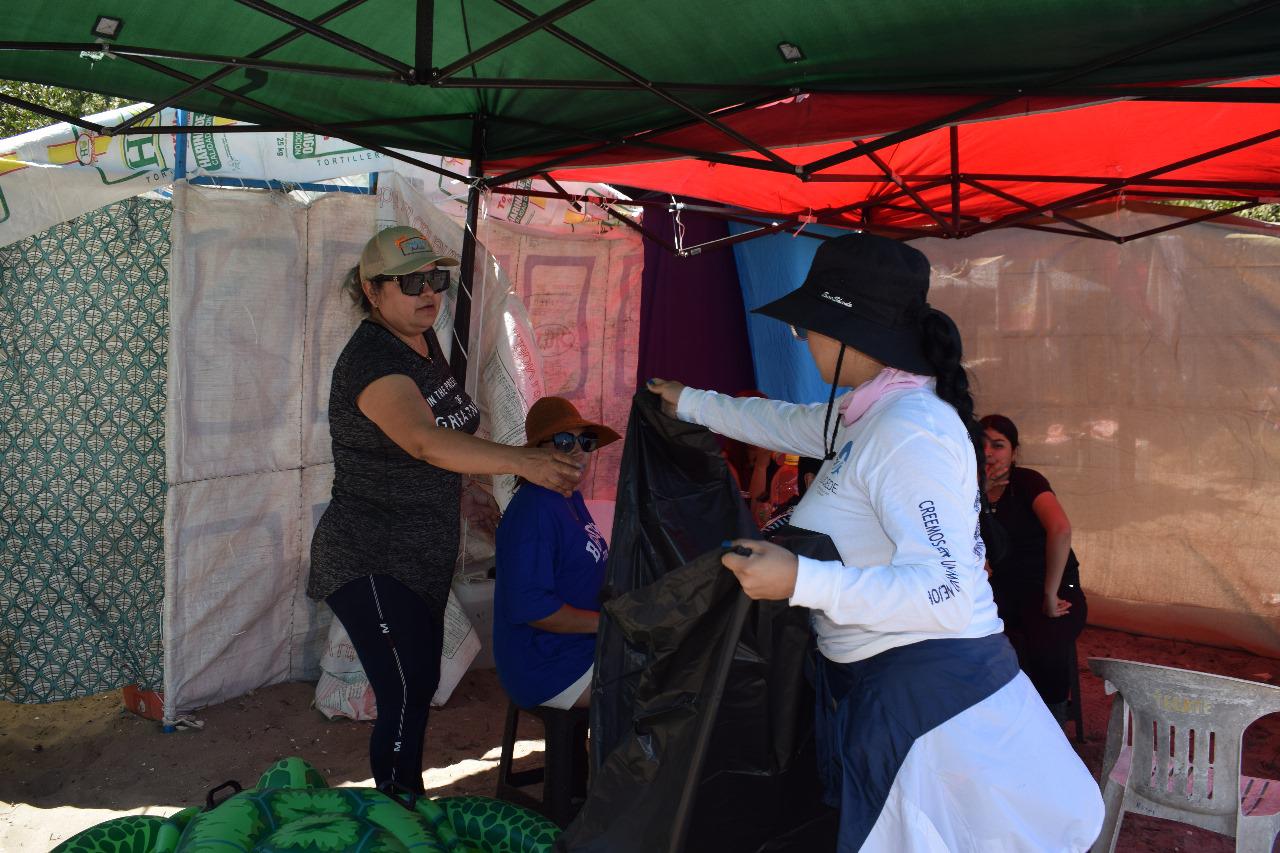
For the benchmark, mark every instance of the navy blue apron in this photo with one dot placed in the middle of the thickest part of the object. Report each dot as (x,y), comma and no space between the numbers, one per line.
(871,711)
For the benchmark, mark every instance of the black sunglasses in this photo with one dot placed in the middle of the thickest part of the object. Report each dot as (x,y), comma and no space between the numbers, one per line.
(413,283)
(564,441)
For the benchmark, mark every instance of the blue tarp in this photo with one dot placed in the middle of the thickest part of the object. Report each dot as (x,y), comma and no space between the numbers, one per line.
(770,267)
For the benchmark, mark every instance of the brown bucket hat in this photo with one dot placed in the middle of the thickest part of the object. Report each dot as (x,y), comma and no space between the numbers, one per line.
(551,415)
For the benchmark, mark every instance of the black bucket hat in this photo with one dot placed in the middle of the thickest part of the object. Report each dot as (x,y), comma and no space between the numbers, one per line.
(865,291)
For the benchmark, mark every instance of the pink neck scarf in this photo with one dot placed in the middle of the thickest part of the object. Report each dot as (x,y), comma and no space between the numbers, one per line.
(863,397)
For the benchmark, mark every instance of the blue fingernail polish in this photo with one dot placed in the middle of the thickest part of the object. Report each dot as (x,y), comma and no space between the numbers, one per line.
(726,544)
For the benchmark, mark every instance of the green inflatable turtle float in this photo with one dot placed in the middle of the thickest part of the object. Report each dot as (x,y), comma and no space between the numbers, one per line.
(293,810)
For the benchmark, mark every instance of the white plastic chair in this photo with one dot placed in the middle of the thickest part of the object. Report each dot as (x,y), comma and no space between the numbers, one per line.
(1173,751)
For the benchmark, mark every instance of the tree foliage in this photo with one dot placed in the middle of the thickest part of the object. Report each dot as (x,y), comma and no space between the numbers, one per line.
(15,120)
(1264,212)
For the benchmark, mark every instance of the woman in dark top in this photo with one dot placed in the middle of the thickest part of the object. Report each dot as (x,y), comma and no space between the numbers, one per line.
(1037,580)
(384,550)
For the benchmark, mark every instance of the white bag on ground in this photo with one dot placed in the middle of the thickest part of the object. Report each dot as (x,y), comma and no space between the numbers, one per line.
(461,645)
(343,689)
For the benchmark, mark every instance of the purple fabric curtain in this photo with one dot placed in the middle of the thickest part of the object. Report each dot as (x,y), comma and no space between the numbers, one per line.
(693,326)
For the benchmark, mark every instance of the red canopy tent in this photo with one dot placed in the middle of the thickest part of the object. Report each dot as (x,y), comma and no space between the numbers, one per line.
(1042,161)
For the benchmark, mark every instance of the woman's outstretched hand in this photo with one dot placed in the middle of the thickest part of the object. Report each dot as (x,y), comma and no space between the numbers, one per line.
(669,392)
(551,469)
(768,572)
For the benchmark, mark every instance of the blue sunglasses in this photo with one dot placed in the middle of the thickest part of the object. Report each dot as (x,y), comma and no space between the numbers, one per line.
(564,441)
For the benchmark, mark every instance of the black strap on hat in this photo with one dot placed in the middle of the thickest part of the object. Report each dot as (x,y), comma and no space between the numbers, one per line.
(829,452)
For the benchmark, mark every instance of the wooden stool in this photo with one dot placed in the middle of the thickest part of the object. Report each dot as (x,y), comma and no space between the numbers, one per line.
(563,773)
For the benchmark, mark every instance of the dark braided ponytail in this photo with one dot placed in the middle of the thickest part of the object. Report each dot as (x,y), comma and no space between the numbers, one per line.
(943,349)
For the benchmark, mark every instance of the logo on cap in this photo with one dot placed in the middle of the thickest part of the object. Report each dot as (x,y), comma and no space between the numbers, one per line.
(831,297)
(412,245)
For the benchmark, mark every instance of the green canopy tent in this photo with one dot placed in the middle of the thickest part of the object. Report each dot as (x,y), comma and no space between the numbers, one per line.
(492,76)
(540,84)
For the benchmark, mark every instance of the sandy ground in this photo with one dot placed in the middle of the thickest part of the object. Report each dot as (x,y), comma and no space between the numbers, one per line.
(69,765)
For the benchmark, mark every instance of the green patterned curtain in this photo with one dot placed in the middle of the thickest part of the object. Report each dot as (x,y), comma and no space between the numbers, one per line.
(84,332)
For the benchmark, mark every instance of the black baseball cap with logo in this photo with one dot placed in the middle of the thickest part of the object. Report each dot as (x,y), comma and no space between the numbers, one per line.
(868,292)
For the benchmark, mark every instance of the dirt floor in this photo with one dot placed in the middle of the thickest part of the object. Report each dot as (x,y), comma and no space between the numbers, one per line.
(69,765)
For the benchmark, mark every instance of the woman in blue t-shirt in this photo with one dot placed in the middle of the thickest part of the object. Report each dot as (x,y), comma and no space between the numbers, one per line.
(551,561)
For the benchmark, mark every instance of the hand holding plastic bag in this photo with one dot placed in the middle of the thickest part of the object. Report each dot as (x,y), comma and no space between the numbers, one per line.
(669,391)
(766,571)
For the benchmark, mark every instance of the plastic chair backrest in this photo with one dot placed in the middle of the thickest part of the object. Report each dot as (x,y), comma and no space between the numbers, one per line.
(1185,728)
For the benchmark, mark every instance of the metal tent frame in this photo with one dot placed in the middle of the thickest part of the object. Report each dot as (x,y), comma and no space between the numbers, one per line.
(948,221)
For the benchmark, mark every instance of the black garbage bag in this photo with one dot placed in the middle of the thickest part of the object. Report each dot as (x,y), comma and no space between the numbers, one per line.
(675,501)
(702,719)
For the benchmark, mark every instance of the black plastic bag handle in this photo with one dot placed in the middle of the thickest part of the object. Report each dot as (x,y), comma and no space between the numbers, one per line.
(402,794)
(211,802)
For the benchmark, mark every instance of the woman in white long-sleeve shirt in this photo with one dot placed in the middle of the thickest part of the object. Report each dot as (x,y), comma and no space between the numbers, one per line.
(930,738)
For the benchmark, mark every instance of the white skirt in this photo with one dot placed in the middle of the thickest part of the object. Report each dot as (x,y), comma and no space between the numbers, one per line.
(999,776)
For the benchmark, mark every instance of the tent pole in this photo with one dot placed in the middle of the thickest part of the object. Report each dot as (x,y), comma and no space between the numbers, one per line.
(601,202)
(722,242)
(218,75)
(235,63)
(555,185)
(903,208)
(337,129)
(635,139)
(953,133)
(1182,196)
(880,201)
(708,704)
(915,196)
(1056,214)
(320,32)
(1063,231)
(56,115)
(180,149)
(636,226)
(644,84)
(1212,214)
(1122,183)
(1260,186)
(1042,87)
(424,41)
(462,308)
(296,121)
(533,26)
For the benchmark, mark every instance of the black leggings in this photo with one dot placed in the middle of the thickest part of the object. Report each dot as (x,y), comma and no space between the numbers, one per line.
(398,637)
